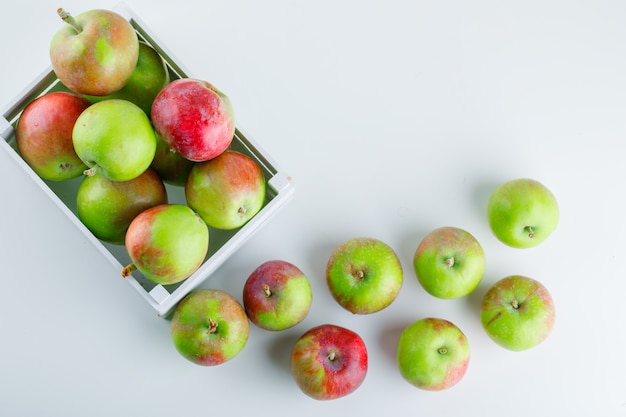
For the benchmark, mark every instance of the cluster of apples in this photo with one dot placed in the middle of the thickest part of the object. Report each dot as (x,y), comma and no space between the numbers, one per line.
(364,275)
(118,120)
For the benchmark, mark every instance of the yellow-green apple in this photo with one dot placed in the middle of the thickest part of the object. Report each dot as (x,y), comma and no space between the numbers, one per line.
(108,207)
(517,312)
(432,354)
(329,362)
(171,166)
(364,275)
(449,262)
(195,118)
(44,135)
(226,191)
(114,138)
(522,212)
(166,243)
(148,78)
(209,327)
(95,52)
(277,295)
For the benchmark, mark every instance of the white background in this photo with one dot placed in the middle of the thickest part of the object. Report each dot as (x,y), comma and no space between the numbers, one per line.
(393,118)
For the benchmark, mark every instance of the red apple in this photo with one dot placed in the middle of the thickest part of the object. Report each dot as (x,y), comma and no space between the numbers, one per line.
(227,190)
(329,362)
(44,135)
(195,118)
(95,52)
(277,295)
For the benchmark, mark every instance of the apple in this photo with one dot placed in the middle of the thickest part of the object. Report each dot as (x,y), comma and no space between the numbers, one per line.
(114,138)
(522,213)
(432,354)
(329,362)
(171,166)
(195,118)
(277,295)
(95,52)
(148,78)
(226,191)
(166,243)
(108,207)
(517,312)
(209,327)
(364,275)
(44,135)
(449,262)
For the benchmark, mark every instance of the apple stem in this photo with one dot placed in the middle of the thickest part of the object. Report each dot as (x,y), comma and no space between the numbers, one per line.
(529,230)
(267,290)
(69,19)
(331,355)
(212,326)
(91,171)
(515,304)
(128,270)
(242,210)
(450,262)
(442,350)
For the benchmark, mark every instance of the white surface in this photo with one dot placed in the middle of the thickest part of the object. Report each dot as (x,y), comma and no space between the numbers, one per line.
(394,118)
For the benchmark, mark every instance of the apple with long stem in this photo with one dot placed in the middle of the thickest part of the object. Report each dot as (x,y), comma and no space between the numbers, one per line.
(95,52)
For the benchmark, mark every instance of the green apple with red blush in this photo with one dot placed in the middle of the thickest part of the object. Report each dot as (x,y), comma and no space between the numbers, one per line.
(518,312)
(449,262)
(277,295)
(364,275)
(195,118)
(95,52)
(226,191)
(108,207)
(329,362)
(166,243)
(209,327)
(43,135)
(522,212)
(114,138)
(432,354)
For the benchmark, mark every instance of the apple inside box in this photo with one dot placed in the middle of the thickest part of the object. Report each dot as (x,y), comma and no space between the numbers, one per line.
(223,243)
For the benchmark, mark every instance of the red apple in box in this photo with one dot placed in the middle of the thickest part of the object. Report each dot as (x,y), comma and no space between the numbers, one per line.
(44,135)
(194,118)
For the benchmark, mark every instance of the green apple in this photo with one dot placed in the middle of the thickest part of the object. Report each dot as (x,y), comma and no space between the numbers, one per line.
(277,295)
(148,78)
(171,166)
(449,262)
(95,52)
(166,243)
(364,275)
(522,212)
(44,135)
(108,207)
(432,354)
(209,327)
(226,191)
(115,138)
(517,312)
